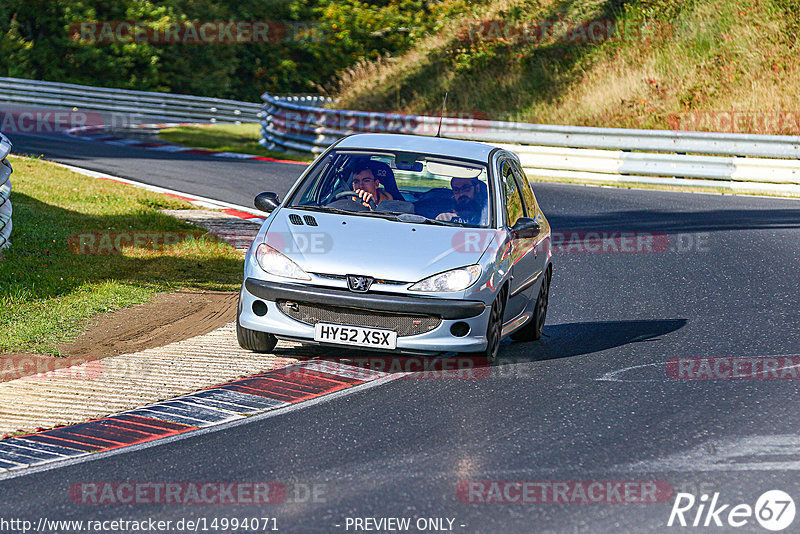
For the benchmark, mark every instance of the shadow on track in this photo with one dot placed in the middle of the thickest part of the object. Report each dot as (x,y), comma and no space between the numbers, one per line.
(559,341)
(576,339)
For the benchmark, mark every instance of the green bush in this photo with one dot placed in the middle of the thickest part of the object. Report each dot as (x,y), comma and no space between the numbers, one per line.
(35,43)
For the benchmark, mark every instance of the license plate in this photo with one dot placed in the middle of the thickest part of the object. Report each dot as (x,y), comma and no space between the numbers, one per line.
(355,335)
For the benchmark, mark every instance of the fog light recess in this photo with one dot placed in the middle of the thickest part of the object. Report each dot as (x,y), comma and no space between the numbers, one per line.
(459,329)
(260,308)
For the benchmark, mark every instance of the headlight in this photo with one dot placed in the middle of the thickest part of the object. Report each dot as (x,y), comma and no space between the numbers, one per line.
(455,280)
(276,263)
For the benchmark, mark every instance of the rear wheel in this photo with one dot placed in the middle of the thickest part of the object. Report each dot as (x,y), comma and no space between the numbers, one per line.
(253,339)
(533,329)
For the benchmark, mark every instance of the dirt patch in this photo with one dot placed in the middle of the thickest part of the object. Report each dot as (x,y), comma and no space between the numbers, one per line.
(168,318)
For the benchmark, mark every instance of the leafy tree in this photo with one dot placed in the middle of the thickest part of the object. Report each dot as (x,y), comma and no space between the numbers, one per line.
(324,37)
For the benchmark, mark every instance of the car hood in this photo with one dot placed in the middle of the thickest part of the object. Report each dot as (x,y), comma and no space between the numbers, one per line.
(372,246)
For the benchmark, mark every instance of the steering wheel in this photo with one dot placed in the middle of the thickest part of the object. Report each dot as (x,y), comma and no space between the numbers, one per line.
(372,204)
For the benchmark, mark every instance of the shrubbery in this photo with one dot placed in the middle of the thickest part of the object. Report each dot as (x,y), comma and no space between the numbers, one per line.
(35,43)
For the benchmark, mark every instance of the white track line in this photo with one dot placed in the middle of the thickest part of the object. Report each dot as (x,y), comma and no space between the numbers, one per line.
(200,201)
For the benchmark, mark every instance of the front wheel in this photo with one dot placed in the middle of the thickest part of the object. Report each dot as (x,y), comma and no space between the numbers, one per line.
(253,339)
(533,329)
(494,328)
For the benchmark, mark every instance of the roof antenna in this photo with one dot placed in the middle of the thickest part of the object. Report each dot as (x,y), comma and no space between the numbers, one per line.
(444,104)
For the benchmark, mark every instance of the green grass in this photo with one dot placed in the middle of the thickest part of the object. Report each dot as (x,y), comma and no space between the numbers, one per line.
(679,59)
(49,293)
(240,138)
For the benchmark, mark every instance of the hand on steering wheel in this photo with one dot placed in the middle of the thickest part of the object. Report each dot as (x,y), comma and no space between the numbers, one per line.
(366,198)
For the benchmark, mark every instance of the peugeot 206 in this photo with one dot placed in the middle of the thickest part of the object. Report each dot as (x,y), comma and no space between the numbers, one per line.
(400,243)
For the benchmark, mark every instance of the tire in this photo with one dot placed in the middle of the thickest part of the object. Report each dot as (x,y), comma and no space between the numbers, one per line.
(533,328)
(494,328)
(253,339)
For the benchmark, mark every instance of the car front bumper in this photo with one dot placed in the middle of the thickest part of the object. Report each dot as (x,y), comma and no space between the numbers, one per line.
(440,339)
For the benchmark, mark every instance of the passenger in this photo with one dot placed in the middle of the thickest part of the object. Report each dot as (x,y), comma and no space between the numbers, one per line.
(469,197)
(367,185)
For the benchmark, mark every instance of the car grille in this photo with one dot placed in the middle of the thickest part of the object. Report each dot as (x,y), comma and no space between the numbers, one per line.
(403,324)
(377,280)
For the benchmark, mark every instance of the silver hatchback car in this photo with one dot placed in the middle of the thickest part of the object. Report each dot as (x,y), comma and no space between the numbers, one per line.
(400,243)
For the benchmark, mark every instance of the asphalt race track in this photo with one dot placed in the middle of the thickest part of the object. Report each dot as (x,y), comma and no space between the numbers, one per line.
(231,180)
(593,401)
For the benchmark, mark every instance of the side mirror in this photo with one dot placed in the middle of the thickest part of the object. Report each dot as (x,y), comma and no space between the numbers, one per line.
(525,227)
(267,201)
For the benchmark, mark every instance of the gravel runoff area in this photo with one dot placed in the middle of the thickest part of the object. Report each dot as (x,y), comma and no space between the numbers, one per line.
(103,387)
(112,384)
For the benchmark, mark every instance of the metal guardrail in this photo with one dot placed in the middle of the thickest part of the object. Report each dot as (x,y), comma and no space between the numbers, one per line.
(178,108)
(5,192)
(576,163)
(556,151)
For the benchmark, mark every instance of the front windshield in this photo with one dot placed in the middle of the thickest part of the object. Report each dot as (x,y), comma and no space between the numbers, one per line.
(449,191)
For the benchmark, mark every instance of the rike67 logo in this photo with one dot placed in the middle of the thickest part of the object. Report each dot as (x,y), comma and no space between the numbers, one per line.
(774,510)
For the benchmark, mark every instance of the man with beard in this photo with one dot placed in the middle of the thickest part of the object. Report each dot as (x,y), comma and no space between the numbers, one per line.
(469,195)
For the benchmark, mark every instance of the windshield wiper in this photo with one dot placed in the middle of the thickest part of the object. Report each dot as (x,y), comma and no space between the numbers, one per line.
(325,208)
(440,223)
(401,216)
(391,215)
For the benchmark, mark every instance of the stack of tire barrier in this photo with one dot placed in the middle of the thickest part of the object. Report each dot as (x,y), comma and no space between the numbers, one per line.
(5,192)
(747,163)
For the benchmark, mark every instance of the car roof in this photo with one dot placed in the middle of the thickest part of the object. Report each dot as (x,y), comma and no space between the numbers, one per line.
(420,144)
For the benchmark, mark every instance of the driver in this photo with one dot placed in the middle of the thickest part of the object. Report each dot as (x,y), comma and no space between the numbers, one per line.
(365,184)
(469,197)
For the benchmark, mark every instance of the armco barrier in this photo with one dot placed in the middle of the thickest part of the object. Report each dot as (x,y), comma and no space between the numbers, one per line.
(5,192)
(576,163)
(177,108)
(568,152)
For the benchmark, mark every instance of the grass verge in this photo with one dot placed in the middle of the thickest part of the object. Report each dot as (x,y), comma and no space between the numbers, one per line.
(240,138)
(668,64)
(49,292)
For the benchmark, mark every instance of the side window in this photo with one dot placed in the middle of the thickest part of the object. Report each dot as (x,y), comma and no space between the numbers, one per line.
(527,192)
(513,200)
